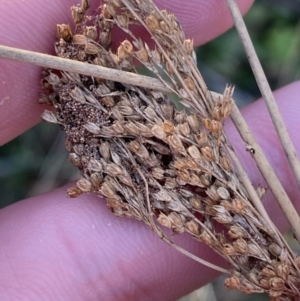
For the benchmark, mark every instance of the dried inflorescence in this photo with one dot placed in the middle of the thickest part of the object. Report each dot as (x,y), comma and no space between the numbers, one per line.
(155,163)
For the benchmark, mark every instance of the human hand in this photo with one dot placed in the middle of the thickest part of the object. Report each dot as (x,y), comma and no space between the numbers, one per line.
(56,248)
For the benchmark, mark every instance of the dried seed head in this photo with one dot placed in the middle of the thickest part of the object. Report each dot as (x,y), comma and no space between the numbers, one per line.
(139,149)
(84,185)
(176,219)
(206,238)
(264,283)
(123,21)
(64,32)
(49,116)
(74,192)
(238,205)
(170,183)
(175,143)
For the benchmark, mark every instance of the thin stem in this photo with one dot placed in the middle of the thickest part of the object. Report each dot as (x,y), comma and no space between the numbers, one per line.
(265,90)
(53,62)
(266,170)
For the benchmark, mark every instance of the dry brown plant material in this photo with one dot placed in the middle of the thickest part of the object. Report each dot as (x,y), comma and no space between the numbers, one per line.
(156,164)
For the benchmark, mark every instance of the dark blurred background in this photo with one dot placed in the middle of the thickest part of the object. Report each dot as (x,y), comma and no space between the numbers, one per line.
(37,162)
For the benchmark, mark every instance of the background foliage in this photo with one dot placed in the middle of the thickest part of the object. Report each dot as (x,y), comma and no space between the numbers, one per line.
(37,162)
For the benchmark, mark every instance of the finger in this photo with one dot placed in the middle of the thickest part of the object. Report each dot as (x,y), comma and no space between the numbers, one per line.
(31,25)
(77,250)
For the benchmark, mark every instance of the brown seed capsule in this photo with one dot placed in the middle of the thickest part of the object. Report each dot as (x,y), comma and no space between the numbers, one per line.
(75,159)
(142,55)
(223,193)
(240,246)
(90,32)
(49,116)
(74,192)
(159,132)
(91,48)
(275,249)
(201,139)
(206,238)
(175,143)
(104,150)
(255,250)
(264,283)
(189,82)
(225,163)
(152,23)
(193,122)
(113,169)
(192,227)
(157,173)
(77,94)
(196,202)
(164,220)
(84,185)
(283,271)
(238,205)
(108,191)
(123,21)
(188,46)
(184,129)
(236,232)
(228,249)
(268,271)
(85,4)
(77,14)
(207,152)
(92,128)
(194,152)
(168,126)
(170,183)
(94,165)
(164,27)
(232,282)
(97,180)
(64,32)
(277,284)
(139,149)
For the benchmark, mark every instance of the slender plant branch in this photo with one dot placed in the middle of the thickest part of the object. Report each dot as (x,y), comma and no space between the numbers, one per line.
(265,90)
(54,62)
(266,170)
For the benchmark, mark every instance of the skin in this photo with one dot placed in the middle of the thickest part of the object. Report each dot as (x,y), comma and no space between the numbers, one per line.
(74,249)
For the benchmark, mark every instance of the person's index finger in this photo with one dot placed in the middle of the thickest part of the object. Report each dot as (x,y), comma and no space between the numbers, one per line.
(32,25)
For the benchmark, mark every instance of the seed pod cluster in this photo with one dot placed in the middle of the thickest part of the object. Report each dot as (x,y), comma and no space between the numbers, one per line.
(150,161)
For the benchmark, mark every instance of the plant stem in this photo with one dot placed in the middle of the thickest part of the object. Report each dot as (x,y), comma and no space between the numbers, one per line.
(265,90)
(53,62)
(267,171)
